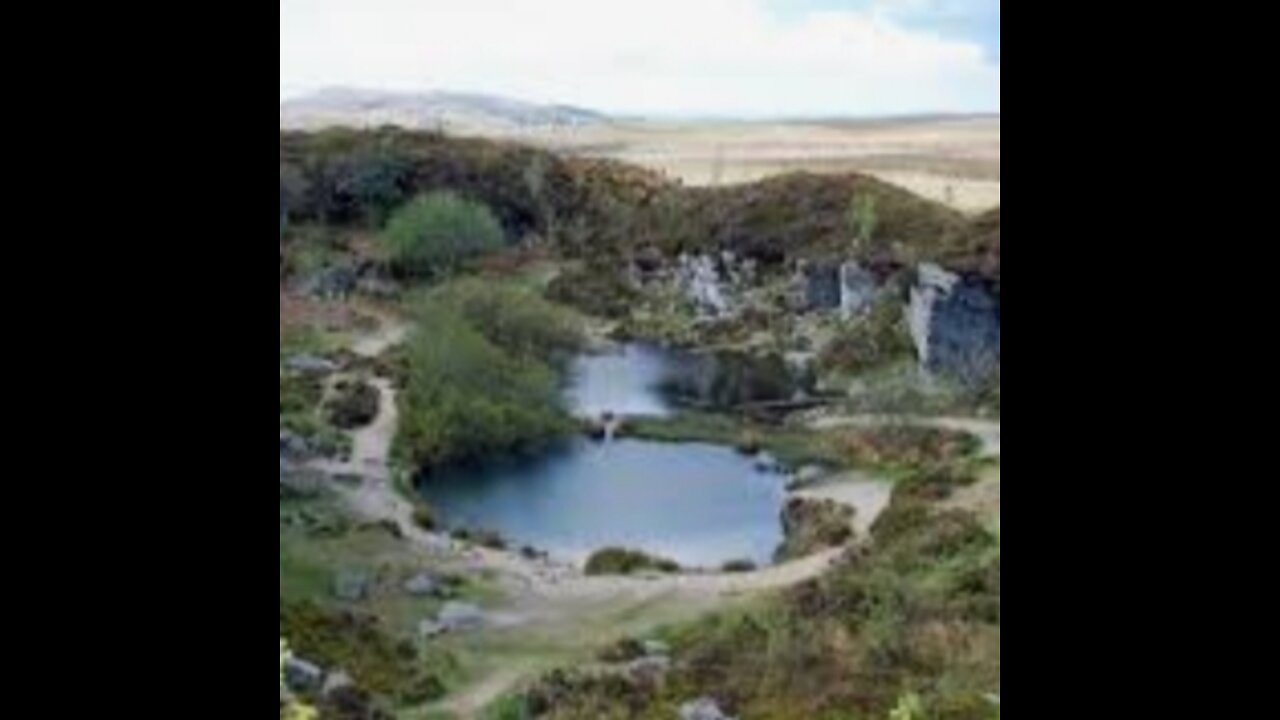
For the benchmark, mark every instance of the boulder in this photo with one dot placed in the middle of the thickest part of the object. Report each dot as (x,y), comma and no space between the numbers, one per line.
(702,709)
(955,325)
(699,278)
(821,287)
(857,290)
(423,585)
(649,670)
(311,365)
(301,676)
(352,586)
(459,616)
(336,682)
(336,283)
(293,448)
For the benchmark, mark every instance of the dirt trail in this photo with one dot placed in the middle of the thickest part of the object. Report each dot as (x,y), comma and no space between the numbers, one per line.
(987,431)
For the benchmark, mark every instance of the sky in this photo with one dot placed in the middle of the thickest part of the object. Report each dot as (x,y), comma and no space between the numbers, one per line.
(741,58)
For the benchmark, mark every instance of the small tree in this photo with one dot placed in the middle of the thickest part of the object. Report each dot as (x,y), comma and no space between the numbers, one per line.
(537,180)
(863,221)
(434,233)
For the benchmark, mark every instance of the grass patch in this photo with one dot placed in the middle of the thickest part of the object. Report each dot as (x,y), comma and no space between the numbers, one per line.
(793,447)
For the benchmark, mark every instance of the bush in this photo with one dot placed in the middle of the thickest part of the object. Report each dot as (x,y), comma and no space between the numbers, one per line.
(814,525)
(620,561)
(466,399)
(517,321)
(878,339)
(482,538)
(355,405)
(434,233)
(362,646)
(739,566)
(424,518)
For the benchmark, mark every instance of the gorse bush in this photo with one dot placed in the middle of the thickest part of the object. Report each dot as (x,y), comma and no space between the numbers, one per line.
(434,233)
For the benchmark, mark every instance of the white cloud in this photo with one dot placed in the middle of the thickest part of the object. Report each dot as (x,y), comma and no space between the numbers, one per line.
(655,56)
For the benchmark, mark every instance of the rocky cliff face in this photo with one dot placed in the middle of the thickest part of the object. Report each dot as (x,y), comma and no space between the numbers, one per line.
(955,323)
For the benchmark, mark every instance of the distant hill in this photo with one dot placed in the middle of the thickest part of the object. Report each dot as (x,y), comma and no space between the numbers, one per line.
(472,113)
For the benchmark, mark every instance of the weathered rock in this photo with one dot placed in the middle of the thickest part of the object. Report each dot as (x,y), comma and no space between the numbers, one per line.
(702,709)
(805,477)
(649,669)
(458,616)
(429,629)
(378,287)
(311,364)
(293,448)
(423,585)
(857,289)
(700,280)
(297,482)
(656,648)
(821,286)
(336,682)
(955,324)
(335,283)
(301,676)
(352,586)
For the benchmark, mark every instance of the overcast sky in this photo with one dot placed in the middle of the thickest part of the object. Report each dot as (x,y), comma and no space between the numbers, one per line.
(748,58)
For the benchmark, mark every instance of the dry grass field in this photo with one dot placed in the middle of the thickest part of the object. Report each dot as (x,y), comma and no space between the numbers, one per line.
(952,160)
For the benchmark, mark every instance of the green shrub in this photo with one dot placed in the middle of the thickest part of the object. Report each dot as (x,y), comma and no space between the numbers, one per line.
(518,321)
(482,538)
(424,518)
(354,405)
(363,647)
(434,233)
(739,566)
(467,399)
(620,561)
(875,340)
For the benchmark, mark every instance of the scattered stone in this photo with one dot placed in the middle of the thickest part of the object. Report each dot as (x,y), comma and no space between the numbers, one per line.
(293,447)
(336,682)
(337,283)
(857,289)
(650,670)
(806,476)
(352,586)
(702,709)
(654,648)
(301,676)
(423,585)
(378,287)
(821,286)
(311,365)
(428,629)
(700,280)
(458,617)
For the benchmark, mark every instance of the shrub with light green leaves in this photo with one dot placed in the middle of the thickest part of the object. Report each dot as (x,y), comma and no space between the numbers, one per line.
(434,233)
